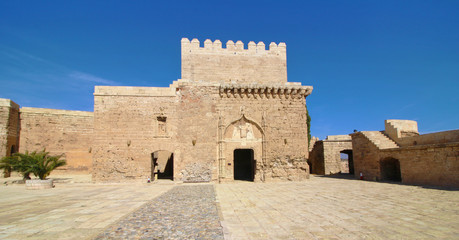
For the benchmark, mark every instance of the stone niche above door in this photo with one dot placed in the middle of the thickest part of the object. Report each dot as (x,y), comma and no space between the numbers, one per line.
(243,130)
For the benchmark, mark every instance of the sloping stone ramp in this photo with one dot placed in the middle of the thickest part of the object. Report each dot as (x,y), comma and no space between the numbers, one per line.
(184,212)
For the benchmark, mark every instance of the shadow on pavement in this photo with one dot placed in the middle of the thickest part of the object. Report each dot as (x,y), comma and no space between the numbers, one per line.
(347,176)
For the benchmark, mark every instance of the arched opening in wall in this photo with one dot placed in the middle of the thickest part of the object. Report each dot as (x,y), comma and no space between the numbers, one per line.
(162,165)
(390,170)
(13,150)
(244,164)
(347,161)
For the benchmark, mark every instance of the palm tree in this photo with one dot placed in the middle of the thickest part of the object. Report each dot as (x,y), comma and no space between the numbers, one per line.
(16,162)
(7,163)
(41,164)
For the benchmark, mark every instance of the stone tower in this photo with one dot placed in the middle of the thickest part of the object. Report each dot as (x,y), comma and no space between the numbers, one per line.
(232,116)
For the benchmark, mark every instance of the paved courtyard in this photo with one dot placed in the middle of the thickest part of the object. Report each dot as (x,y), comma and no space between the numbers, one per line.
(321,208)
(330,208)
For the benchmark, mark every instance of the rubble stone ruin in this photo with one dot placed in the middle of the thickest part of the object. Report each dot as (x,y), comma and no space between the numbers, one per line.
(232,116)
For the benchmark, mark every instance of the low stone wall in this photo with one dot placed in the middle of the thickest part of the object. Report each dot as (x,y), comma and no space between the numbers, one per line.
(430,138)
(436,164)
(37,184)
(433,164)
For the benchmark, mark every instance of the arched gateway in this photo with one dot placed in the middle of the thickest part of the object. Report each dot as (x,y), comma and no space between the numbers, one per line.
(242,142)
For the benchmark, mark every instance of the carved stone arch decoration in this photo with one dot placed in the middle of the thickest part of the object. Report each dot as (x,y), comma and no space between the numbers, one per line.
(243,129)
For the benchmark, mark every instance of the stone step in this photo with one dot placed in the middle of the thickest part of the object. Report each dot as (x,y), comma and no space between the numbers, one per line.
(380,140)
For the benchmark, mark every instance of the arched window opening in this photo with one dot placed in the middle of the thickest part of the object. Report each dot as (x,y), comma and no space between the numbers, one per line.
(13,150)
(390,170)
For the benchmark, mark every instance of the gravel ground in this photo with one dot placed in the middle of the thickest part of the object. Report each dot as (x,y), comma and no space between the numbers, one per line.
(184,212)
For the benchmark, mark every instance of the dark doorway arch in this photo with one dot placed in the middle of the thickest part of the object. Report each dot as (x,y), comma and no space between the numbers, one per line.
(390,170)
(347,159)
(13,150)
(244,164)
(162,165)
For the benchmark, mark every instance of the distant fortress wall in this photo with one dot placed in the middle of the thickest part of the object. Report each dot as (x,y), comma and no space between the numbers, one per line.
(59,132)
(234,64)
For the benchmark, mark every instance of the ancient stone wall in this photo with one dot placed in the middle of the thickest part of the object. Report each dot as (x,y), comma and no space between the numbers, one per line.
(428,164)
(9,127)
(312,142)
(435,164)
(198,128)
(130,124)
(317,159)
(326,155)
(234,64)
(366,157)
(279,114)
(398,129)
(59,132)
(229,98)
(431,138)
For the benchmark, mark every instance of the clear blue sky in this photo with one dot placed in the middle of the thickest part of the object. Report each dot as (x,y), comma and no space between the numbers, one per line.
(367,60)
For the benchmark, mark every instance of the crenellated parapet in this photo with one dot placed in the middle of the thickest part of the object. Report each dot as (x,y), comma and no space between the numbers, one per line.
(233,48)
(264,91)
(234,62)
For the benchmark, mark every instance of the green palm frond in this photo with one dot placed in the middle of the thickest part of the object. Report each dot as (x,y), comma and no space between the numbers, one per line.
(41,164)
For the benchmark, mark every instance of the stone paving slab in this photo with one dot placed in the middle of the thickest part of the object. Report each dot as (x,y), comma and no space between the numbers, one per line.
(69,211)
(185,212)
(328,208)
(320,208)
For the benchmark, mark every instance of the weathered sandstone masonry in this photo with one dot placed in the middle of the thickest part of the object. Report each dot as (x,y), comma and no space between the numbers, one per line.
(59,132)
(9,127)
(130,124)
(233,115)
(325,157)
(400,154)
(234,64)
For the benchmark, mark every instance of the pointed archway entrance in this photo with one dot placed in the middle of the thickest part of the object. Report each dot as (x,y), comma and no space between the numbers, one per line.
(240,150)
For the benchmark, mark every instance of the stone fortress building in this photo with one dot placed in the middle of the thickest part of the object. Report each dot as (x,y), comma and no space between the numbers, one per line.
(232,116)
(397,154)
